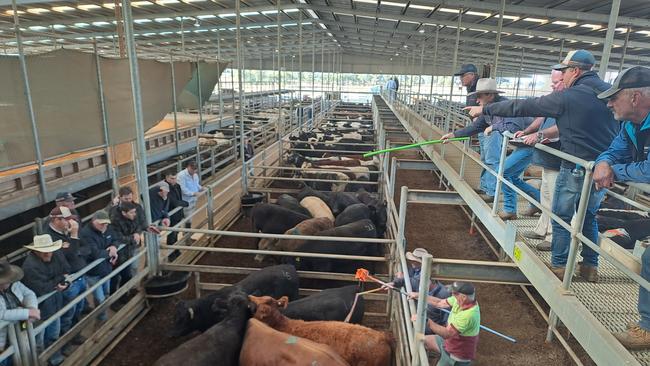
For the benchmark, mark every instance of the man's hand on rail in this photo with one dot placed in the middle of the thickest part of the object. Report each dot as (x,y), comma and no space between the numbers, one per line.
(165,222)
(603,175)
(137,238)
(34,314)
(446,137)
(518,134)
(529,139)
(474,111)
(413,295)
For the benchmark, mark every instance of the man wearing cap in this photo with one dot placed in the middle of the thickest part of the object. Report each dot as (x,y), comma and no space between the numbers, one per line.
(586,128)
(493,127)
(436,288)
(17,301)
(627,160)
(469,78)
(67,199)
(544,132)
(63,227)
(45,269)
(125,194)
(457,342)
(99,242)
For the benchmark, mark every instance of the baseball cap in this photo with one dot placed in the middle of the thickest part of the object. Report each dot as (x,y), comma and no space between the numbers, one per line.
(64,196)
(634,77)
(416,255)
(101,217)
(61,211)
(464,288)
(465,68)
(576,58)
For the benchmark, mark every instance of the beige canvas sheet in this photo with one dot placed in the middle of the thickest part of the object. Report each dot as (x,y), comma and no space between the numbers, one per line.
(210,73)
(65,94)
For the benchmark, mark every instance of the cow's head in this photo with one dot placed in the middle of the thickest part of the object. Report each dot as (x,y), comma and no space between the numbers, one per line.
(267,308)
(236,303)
(185,320)
(266,244)
(379,216)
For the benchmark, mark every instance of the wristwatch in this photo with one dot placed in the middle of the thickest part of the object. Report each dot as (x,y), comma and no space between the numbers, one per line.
(540,136)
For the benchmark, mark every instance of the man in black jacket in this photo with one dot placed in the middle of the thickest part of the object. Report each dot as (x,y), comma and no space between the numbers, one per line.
(45,269)
(126,230)
(125,194)
(175,197)
(586,127)
(98,240)
(63,227)
(159,203)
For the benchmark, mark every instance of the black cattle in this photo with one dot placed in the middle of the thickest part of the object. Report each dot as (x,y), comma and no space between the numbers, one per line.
(309,191)
(353,213)
(273,219)
(378,213)
(339,201)
(360,229)
(292,204)
(623,214)
(623,232)
(219,345)
(198,314)
(330,304)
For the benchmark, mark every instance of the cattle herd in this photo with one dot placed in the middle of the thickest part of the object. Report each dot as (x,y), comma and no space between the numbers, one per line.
(260,320)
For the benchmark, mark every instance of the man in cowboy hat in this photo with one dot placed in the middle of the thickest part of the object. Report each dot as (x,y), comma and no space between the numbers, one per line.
(586,128)
(45,269)
(436,288)
(492,127)
(17,301)
(627,160)
(63,227)
(458,340)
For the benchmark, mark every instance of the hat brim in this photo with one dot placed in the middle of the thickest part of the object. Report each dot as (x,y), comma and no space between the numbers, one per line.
(559,67)
(411,257)
(103,221)
(48,249)
(609,93)
(486,92)
(15,274)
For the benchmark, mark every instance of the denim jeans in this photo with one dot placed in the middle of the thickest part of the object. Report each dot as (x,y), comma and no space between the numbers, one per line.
(565,203)
(490,154)
(101,293)
(513,170)
(644,295)
(71,317)
(49,336)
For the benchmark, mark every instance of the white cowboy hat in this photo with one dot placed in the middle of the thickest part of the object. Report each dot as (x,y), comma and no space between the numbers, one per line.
(486,85)
(44,244)
(416,255)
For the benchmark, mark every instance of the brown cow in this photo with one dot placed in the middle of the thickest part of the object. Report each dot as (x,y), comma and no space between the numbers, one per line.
(265,346)
(307,227)
(357,344)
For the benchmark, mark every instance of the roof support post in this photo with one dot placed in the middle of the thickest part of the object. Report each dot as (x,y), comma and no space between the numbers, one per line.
(627,39)
(112,173)
(435,63)
(609,38)
(559,59)
(174,106)
(200,95)
(219,80)
(300,67)
(421,67)
(280,124)
(521,65)
(313,73)
(454,65)
(30,105)
(498,41)
(141,150)
(241,94)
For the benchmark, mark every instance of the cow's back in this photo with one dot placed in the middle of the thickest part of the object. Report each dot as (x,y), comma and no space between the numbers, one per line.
(276,281)
(329,304)
(353,213)
(264,346)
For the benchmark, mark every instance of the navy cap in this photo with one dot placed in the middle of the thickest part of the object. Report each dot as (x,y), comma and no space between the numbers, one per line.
(577,58)
(464,288)
(64,196)
(634,77)
(465,68)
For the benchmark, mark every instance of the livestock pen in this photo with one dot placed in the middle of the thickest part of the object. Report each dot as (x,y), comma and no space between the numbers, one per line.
(222,250)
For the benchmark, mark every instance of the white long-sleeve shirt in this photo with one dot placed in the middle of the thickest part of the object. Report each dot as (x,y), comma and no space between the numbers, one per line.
(189,185)
(27,299)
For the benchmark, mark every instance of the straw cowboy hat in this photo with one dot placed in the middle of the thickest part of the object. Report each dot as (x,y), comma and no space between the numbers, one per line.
(416,255)
(486,85)
(44,244)
(9,273)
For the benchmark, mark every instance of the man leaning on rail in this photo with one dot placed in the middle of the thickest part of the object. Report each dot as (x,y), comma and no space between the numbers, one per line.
(586,127)
(626,160)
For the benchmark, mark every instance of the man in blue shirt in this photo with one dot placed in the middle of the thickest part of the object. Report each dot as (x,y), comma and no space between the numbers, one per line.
(188,179)
(391,87)
(626,160)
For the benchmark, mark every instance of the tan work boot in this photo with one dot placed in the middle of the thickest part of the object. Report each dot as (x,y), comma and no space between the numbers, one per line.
(505,216)
(544,246)
(588,273)
(558,272)
(532,211)
(634,338)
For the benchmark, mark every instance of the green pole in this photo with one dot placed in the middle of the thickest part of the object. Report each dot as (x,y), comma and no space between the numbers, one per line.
(404,147)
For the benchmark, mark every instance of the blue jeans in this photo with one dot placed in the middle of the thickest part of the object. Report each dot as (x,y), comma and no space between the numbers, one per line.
(490,155)
(565,202)
(513,170)
(644,295)
(101,293)
(71,317)
(49,336)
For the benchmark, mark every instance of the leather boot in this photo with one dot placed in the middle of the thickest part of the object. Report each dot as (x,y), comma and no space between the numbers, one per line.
(634,338)
(505,216)
(588,273)
(558,272)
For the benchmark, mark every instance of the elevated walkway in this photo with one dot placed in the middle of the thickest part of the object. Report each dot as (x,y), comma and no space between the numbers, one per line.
(590,311)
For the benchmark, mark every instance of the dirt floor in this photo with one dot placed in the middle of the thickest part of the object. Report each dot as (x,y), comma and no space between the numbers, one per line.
(504,308)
